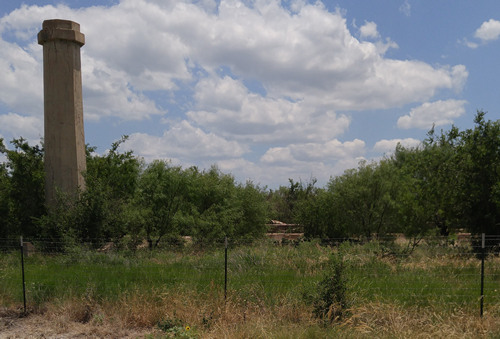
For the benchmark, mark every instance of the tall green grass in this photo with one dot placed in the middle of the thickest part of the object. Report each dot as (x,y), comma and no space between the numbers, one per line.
(437,276)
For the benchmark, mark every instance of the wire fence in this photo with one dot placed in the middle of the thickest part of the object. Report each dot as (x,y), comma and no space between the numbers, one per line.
(444,273)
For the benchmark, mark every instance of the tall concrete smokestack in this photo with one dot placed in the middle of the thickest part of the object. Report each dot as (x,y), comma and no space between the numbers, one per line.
(64,139)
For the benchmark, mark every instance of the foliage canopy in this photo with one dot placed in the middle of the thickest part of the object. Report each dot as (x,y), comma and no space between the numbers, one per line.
(449,183)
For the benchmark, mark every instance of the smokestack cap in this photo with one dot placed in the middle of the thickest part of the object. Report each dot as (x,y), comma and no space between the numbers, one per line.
(58,29)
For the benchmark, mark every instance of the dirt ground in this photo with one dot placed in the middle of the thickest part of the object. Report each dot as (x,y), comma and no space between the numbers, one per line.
(14,325)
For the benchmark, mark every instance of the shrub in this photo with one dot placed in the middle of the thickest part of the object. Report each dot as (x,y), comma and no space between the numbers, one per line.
(331,302)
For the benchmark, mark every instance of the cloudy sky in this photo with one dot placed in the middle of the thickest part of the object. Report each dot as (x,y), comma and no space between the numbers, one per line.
(267,90)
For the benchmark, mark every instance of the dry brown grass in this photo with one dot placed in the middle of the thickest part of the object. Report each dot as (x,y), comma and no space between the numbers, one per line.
(137,315)
(390,321)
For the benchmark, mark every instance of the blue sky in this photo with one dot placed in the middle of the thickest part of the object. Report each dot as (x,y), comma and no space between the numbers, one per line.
(266,90)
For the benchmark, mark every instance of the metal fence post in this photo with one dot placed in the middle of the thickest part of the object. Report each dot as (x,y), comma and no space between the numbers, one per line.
(483,254)
(22,269)
(225,268)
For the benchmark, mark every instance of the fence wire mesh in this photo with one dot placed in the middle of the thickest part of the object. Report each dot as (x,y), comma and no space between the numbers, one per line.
(437,272)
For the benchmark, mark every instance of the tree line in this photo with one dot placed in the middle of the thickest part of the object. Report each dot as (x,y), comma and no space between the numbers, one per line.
(125,198)
(449,183)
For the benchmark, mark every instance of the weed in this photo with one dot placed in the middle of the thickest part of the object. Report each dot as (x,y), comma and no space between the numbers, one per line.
(39,293)
(167,324)
(331,302)
(181,332)
(174,328)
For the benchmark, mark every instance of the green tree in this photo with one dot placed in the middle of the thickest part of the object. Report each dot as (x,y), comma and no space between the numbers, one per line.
(427,184)
(479,179)
(453,180)
(364,199)
(254,211)
(23,194)
(99,213)
(361,202)
(284,201)
(216,206)
(111,182)
(213,196)
(116,172)
(161,192)
(5,224)
(319,216)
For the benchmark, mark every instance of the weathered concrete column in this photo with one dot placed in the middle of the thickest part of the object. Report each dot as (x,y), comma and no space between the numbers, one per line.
(64,140)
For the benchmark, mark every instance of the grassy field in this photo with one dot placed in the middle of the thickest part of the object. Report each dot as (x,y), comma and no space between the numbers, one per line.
(272,291)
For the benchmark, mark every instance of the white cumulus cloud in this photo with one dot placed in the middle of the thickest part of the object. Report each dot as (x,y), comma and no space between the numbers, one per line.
(183,141)
(227,107)
(19,69)
(326,152)
(312,160)
(441,112)
(389,145)
(309,54)
(13,125)
(489,30)
(193,63)
(369,30)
